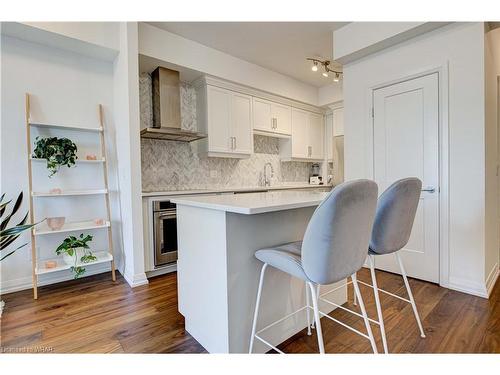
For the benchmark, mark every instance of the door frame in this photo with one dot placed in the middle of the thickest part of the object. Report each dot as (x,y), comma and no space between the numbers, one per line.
(443,154)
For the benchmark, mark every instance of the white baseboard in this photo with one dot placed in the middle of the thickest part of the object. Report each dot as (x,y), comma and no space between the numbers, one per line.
(492,279)
(163,270)
(468,286)
(23,283)
(136,280)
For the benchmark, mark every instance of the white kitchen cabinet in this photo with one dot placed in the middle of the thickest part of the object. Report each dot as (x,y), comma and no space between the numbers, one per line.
(271,118)
(241,123)
(300,138)
(316,136)
(307,140)
(329,136)
(338,121)
(226,116)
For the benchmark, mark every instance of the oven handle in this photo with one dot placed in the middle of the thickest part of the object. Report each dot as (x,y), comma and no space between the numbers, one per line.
(168,215)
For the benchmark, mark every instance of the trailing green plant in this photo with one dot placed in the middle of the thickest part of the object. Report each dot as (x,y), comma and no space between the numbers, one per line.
(57,152)
(69,246)
(9,235)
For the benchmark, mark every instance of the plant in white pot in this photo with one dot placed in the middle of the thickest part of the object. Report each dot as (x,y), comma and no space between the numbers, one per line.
(9,235)
(76,251)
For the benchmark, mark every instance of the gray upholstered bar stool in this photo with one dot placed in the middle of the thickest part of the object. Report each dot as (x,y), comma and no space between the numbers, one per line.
(333,248)
(394,218)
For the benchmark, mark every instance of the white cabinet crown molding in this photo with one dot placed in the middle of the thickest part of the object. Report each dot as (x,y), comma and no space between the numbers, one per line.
(221,83)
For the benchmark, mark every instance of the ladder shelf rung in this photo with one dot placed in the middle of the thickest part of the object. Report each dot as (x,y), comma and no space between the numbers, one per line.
(78,161)
(66,127)
(69,193)
(102,257)
(74,226)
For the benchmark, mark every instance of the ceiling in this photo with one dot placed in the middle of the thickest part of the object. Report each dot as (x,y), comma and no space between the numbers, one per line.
(279,46)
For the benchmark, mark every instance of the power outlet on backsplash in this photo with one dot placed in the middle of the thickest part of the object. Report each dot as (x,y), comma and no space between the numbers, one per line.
(214,173)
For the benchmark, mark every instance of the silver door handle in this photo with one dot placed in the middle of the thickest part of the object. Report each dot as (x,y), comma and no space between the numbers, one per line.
(429,189)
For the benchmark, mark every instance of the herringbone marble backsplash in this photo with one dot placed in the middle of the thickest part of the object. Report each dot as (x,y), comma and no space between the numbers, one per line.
(168,165)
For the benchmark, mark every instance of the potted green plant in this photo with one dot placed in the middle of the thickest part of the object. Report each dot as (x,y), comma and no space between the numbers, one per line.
(9,235)
(57,152)
(76,251)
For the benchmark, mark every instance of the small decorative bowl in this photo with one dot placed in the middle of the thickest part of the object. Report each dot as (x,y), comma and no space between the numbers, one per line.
(50,264)
(55,223)
(99,221)
(91,157)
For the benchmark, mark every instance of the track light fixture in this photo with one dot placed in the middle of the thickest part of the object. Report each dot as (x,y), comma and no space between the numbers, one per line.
(326,68)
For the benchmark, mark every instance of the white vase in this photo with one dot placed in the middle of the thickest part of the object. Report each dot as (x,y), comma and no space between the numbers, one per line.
(2,304)
(73,260)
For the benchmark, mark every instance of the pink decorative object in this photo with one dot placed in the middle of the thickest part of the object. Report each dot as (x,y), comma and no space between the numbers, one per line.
(55,191)
(50,264)
(91,157)
(55,223)
(99,221)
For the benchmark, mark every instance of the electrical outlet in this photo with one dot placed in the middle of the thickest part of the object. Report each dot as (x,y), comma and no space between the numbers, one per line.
(214,173)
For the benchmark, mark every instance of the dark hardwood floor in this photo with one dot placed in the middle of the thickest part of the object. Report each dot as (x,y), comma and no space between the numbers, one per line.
(95,315)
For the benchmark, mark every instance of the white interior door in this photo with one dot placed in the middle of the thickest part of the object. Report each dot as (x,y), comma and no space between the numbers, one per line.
(406,144)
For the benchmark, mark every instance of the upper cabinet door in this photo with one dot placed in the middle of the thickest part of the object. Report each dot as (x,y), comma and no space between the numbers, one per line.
(300,137)
(241,133)
(338,122)
(329,136)
(316,136)
(282,117)
(262,115)
(219,103)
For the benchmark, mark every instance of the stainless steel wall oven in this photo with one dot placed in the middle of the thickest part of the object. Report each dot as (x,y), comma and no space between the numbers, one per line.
(164,232)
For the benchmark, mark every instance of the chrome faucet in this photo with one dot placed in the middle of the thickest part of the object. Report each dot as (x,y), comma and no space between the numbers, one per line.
(267,180)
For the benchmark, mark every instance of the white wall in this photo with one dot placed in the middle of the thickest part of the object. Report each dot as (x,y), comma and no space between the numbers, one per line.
(126,110)
(359,39)
(66,88)
(491,140)
(330,94)
(104,34)
(460,48)
(161,44)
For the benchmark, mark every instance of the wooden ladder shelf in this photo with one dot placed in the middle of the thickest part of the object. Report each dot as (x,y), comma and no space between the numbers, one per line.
(102,256)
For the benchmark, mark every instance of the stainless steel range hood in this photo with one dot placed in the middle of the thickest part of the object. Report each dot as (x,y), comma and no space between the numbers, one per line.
(167,109)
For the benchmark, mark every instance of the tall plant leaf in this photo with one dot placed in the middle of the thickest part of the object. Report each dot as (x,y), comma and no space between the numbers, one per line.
(14,210)
(13,251)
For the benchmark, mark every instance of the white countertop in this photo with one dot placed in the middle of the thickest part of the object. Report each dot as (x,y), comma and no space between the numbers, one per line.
(255,203)
(230,190)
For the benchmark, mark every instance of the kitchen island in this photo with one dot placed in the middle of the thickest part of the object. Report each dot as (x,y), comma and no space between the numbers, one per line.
(218,273)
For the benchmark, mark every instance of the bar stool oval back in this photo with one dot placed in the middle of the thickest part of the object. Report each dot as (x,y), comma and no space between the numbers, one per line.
(394,218)
(333,248)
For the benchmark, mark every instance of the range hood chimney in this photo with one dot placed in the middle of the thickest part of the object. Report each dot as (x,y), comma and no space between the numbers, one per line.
(167,109)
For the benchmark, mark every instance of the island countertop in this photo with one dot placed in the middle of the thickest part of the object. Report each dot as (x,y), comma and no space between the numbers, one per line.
(255,203)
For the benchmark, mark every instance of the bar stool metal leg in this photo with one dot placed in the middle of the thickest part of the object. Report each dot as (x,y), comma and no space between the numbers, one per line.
(257,303)
(308,307)
(315,298)
(377,302)
(412,301)
(363,312)
(354,298)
